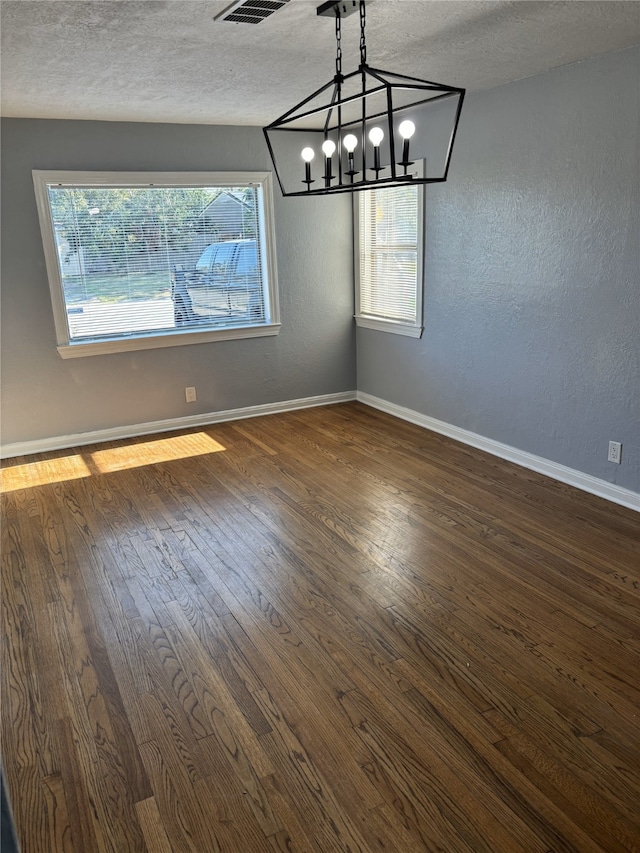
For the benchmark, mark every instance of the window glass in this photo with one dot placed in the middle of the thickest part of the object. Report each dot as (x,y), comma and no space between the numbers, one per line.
(389,259)
(130,262)
(206,258)
(248,260)
(223,259)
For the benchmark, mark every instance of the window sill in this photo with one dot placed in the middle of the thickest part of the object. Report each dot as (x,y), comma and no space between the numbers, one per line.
(79,350)
(392,326)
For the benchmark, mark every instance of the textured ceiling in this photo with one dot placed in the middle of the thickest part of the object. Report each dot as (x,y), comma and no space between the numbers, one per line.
(142,60)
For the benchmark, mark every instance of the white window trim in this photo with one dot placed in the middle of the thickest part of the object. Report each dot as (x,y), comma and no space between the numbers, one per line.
(69,349)
(411,330)
(380,324)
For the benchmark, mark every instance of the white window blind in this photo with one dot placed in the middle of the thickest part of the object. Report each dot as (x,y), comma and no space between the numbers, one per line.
(130,262)
(389,255)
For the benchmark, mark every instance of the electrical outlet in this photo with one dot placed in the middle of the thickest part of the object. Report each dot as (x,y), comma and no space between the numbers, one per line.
(615,452)
(190,395)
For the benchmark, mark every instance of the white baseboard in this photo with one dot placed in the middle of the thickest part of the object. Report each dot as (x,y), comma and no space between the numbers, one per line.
(60,442)
(586,482)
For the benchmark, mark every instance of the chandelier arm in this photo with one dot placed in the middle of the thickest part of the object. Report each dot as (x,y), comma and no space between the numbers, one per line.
(339,94)
(384,113)
(392,139)
(265,132)
(417,86)
(335,99)
(452,138)
(376,72)
(285,116)
(358,186)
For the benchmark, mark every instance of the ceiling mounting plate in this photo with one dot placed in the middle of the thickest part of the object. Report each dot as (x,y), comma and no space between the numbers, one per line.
(338,8)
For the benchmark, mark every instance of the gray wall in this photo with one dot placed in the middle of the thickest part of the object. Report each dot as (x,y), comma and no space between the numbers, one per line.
(45,396)
(532,274)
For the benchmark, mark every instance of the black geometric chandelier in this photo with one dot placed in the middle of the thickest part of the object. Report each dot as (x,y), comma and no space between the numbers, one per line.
(369,128)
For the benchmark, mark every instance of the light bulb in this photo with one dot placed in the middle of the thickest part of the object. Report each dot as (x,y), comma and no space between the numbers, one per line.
(308,154)
(350,142)
(376,135)
(328,147)
(407,129)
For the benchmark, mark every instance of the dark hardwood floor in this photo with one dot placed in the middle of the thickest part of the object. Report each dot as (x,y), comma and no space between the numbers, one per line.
(327,630)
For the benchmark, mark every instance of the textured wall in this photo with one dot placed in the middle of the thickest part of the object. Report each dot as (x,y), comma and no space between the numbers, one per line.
(45,396)
(532,275)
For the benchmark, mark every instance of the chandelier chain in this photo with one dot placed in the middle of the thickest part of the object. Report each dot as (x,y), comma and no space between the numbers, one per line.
(363,23)
(338,45)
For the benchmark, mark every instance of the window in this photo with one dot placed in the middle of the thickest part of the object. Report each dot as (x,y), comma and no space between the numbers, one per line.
(389,249)
(143,260)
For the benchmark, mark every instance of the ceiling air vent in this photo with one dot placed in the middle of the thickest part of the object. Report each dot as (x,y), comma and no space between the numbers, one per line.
(250,11)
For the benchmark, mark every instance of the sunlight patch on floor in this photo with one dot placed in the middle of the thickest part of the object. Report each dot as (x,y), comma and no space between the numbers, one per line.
(123,457)
(41,473)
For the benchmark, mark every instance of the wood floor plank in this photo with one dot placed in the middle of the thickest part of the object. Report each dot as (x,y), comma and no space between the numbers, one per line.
(306,789)
(191,607)
(326,631)
(166,672)
(79,800)
(316,722)
(24,597)
(183,818)
(585,800)
(297,836)
(377,720)
(60,833)
(246,593)
(228,808)
(225,717)
(152,826)
(585,712)
(95,760)
(161,719)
